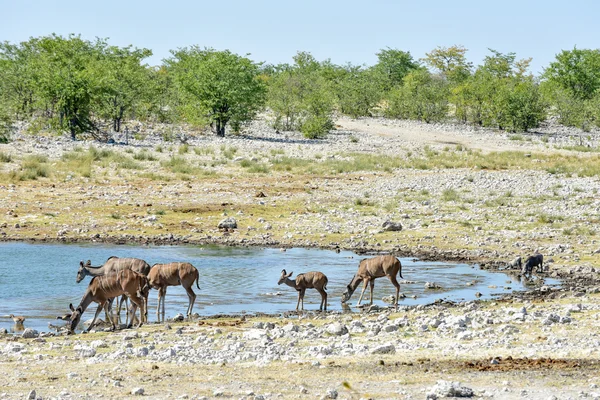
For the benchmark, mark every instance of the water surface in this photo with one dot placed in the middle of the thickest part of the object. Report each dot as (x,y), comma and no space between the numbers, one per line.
(38,280)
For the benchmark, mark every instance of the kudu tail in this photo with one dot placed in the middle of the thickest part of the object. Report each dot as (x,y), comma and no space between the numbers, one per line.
(400,269)
(198,280)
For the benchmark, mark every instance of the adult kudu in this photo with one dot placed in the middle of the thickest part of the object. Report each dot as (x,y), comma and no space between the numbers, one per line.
(371,268)
(112,265)
(103,288)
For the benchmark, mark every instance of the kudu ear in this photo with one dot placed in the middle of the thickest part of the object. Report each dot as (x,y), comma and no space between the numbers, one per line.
(290,274)
(88,263)
(283,272)
(81,263)
(71,307)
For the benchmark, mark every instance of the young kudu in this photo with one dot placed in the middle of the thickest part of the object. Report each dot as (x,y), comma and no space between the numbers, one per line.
(105,287)
(309,280)
(173,274)
(112,265)
(371,268)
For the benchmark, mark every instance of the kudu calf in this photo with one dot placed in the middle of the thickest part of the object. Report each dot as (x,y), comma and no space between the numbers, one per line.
(308,280)
(105,287)
(371,268)
(173,274)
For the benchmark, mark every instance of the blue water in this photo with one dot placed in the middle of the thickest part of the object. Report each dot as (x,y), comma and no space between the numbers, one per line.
(38,280)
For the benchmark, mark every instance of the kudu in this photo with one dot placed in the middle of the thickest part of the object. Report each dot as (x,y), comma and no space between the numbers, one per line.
(105,287)
(173,274)
(114,264)
(371,268)
(308,280)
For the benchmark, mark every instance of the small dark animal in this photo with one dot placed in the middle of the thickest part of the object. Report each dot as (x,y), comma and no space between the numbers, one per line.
(516,263)
(536,260)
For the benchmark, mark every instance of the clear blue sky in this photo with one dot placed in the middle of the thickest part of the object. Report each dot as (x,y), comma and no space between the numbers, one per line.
(343,31)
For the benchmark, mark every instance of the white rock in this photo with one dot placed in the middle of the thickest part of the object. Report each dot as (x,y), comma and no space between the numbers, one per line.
(384,349)
(137,391)
(448,389)
(30,333)
(337,329)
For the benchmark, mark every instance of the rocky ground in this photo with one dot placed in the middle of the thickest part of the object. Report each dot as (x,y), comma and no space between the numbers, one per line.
(458,193)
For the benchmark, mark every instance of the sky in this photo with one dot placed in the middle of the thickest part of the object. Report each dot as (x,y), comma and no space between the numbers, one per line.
(274,31)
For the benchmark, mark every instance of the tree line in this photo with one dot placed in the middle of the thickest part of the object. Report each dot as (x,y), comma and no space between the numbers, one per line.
(69,84)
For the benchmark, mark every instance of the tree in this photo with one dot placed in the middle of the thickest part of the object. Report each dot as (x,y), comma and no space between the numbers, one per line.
(357,90)
(500,94)
(123,82)
(393,65)
(577,71)
(450,62)
(66,81)
(423,97)
(221,85)
(301,97)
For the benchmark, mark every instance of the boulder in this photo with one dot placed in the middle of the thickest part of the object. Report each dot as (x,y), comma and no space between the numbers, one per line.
(228,223)
(389,226)
(29,333)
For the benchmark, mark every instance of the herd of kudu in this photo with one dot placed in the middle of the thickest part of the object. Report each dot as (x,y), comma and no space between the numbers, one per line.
(132,278)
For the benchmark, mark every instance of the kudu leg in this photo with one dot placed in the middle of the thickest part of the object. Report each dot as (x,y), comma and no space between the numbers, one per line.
(397,286)
(323,306)
(299,297)
(372,284)
(192,299)
(362,293)
(164,294)
(100,307)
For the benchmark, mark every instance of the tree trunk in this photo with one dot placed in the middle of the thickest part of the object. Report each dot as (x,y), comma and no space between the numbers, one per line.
(220,127)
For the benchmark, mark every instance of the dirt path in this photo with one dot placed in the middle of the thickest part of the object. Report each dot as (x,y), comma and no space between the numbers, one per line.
(485,141)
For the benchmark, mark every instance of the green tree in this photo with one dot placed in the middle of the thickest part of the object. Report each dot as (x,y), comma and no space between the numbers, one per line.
(392,66)
(450,62)
(123,83)
(577,71)
(357,90)
(571,84)
(423,97)
(300,97)
(66,81)
(221,85)
(500,94)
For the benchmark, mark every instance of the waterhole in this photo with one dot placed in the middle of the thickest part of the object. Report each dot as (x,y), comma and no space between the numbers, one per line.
(37,281)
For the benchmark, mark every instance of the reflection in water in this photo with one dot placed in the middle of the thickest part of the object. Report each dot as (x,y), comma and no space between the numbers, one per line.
(232,280)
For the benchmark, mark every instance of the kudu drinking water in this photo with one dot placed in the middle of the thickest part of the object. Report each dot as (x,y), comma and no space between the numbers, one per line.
(173,274)
(308,280)
(112,265)
(371,268)
(105,287)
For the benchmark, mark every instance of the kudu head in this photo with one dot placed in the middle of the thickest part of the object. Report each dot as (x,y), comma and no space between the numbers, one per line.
(347,294)
(81,273)
(75,317)
(284,276)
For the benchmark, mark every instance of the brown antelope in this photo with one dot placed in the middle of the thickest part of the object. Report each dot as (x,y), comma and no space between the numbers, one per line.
(371,268)
(114,264)
(17,319)
(173,274)
(308,280)
(102,288)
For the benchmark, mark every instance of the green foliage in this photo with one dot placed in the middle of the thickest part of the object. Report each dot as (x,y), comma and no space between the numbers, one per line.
(576,71)
(392,66)
(422,97)
(300,97)
(220,85)
(500,94)
(358,91)
(123,83)
(450,62)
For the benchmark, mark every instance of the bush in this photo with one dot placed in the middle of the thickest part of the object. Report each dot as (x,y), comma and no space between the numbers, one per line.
(316,127)
(422,97)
